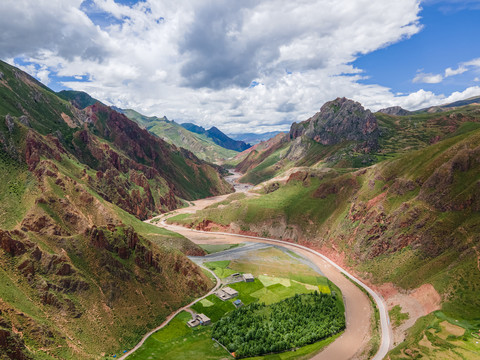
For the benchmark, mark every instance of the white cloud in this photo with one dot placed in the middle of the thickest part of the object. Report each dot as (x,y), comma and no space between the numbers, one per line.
(193,60)
(462,67)
(427,78)
(453,72)
(472,63)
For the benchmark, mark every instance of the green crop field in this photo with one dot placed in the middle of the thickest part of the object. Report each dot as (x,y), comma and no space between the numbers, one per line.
(277,282)
(438,336)
(178,341)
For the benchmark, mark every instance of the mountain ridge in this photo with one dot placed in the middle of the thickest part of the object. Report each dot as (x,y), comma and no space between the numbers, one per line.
(173,133)
(218,137)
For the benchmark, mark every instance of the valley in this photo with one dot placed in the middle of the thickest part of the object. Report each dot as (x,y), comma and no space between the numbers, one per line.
(405,224)
(359,313)
(107,229)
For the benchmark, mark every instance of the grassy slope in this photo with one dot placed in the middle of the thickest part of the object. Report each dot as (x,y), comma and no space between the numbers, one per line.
(111,135)
(200,145)
(62,294)
(108,320)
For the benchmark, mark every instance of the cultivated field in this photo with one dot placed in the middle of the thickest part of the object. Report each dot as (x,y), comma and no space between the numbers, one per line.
(275,280)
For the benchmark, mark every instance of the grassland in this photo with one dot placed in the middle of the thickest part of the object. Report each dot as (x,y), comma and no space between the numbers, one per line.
(294,203)
(213,248)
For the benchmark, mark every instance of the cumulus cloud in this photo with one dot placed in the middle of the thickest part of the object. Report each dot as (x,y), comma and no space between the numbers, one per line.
(427,78)
(453,72)
(29,27)
(241,66)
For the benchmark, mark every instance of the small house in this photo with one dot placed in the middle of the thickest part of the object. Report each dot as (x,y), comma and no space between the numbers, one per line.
(248,278)
(226,293)
(204,319)
(199,319)
(238,303)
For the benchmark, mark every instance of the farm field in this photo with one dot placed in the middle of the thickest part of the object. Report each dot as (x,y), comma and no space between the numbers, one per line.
(438,336)
(273,283)
(178,341)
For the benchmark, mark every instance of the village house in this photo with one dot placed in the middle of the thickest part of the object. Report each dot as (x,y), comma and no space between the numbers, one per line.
(199,319)
(226,293)
(248,278)
(238,303)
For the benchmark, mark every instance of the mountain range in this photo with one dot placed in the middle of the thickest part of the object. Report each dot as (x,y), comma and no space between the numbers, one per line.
(217,137)
(197,142)
(254,138)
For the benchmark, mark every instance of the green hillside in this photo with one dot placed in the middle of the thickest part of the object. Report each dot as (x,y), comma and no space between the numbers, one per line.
(81,275)
(175,134)
(396,135)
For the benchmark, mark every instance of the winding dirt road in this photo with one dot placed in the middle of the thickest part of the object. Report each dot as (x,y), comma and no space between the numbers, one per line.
(358,308)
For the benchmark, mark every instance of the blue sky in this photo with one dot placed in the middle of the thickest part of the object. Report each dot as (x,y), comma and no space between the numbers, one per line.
(247,66)
(450,36)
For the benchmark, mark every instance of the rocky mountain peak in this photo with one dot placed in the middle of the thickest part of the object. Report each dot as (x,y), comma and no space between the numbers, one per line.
(394,110)
(340,120)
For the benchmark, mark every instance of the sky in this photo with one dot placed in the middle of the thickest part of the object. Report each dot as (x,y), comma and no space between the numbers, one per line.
(247,66)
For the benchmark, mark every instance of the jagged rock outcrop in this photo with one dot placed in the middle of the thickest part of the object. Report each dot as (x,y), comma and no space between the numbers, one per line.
(10,245)
(340,120)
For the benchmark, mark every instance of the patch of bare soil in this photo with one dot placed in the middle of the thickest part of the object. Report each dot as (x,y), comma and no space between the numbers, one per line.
(416,303)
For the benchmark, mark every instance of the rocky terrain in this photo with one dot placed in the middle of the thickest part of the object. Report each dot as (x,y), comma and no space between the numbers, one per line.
(395,110)
(340,120)
(81,275)
(343,135)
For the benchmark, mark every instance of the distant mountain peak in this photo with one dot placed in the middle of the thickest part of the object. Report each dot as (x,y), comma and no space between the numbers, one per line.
(395,110)
(218,137)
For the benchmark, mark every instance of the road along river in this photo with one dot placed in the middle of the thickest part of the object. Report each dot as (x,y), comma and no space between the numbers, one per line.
(357,305)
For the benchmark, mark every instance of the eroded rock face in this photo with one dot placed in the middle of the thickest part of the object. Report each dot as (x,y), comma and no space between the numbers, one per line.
(10,245)
(338,121)
(9,122)
(13,346)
